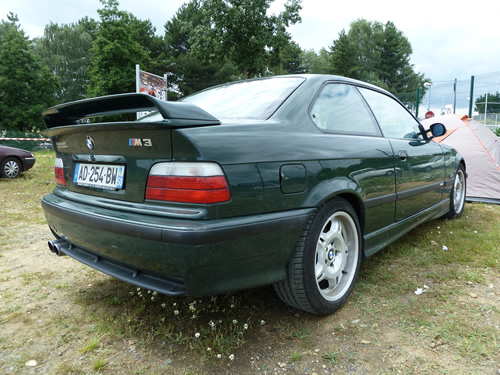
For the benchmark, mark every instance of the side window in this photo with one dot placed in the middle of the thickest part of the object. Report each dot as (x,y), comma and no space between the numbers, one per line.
(339,108)
(393,118)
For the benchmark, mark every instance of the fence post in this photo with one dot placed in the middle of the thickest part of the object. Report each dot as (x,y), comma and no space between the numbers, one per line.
(454,96)
(485,109)
(416,104)
(471,97)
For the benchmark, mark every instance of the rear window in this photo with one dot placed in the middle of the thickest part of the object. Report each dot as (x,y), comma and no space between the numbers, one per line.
(254,99)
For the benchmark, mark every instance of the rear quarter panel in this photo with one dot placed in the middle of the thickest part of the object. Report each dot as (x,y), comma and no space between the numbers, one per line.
(252,156)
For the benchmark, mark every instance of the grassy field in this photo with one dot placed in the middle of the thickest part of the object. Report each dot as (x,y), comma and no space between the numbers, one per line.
(58,316)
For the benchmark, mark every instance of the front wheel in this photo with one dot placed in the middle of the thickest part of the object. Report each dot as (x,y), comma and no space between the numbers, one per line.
(457,195)
(10,168)
(325,264)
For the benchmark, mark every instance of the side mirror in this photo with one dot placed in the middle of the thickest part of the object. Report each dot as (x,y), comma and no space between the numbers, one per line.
(437,130)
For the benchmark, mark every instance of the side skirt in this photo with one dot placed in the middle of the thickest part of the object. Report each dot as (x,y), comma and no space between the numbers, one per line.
(382,238)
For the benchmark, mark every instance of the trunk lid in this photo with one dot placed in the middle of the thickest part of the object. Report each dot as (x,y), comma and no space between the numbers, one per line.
(113,159)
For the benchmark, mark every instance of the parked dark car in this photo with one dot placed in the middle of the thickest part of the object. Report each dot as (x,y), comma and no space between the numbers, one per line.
(13,161)
(44,146)
(286,180)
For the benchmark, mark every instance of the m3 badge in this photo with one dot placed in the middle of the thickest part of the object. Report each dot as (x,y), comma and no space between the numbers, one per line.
(140,142)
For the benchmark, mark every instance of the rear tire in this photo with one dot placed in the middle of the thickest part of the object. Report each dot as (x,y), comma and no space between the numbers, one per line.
(324,267)
(457,195)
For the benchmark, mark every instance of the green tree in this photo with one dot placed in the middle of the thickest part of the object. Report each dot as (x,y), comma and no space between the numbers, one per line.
(394,55)
(243,32)
(121,42)
(343,58)
(368,38)
(178,29)
(287,59)
(153,44)
(89,26)
(378,54)
(314,63)
(187,72)
(493,101)
(26,86)
(65,49)
(395,69)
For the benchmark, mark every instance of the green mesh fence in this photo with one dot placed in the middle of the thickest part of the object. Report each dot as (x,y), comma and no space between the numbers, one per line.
(477,97)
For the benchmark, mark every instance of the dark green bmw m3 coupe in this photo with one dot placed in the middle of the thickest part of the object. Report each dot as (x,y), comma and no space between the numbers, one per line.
(288,180)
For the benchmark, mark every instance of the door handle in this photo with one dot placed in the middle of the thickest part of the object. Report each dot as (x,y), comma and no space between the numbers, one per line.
(403,155)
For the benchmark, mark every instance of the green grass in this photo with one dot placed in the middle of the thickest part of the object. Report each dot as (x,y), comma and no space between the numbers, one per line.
(212,329)
(295,356)
(331,357)
(20,197)
(99,364)
(211,326)
(92,345)
(42,278)
(446,309)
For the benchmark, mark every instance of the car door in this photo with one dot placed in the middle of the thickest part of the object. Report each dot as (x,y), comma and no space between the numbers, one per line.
(357,149)
(419,163)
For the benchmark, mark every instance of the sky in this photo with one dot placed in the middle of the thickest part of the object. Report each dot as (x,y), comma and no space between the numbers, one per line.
(450,40)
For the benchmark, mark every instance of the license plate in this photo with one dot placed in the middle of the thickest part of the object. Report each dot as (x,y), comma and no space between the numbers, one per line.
(103,176)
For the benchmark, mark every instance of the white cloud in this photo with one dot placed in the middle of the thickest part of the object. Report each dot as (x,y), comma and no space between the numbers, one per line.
(449,40)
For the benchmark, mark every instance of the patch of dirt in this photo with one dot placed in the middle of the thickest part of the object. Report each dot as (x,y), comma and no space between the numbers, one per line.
(43,329)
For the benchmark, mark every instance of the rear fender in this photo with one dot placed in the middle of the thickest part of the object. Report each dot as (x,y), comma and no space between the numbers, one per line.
(327,189)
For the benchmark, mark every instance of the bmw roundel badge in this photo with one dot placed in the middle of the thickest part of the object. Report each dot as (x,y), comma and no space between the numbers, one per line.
(90,142)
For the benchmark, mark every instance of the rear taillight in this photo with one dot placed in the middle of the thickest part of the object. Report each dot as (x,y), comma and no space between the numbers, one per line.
(188,183)
(59,171)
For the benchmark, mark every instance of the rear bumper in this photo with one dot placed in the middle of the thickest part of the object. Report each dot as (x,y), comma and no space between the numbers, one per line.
(175,256)
(162,284)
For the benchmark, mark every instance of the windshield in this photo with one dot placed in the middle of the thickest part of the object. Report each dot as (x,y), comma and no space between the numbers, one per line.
(254,99)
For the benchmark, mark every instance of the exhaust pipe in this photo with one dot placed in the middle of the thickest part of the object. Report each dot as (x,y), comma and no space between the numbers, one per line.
(57,246)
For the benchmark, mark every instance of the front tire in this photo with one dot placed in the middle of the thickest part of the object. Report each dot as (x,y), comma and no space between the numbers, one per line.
(457,195)
(324,267)
(10,168)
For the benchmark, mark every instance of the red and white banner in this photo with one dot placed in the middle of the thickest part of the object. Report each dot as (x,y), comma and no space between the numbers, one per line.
(25,139)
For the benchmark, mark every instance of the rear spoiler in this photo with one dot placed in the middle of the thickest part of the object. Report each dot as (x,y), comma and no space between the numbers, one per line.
(180,114)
